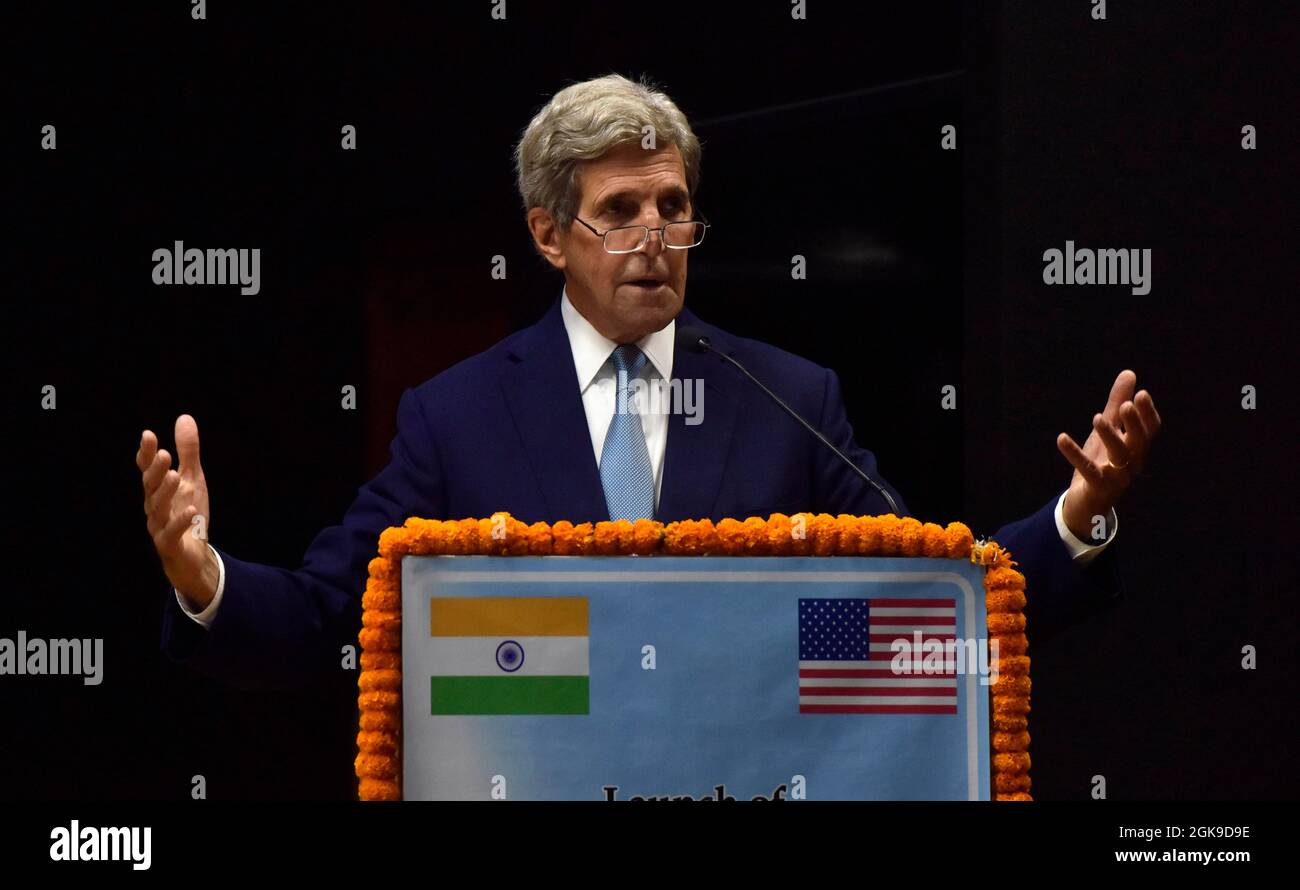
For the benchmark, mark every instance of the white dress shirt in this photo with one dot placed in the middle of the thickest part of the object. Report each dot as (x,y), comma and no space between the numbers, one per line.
(599,387)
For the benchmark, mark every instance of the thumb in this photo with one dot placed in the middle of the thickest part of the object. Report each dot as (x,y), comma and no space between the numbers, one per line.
(187,446)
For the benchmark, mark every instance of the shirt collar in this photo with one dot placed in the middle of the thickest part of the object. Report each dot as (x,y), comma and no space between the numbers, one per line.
(591,349)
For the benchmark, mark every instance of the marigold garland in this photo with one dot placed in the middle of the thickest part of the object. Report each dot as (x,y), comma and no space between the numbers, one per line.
(378,761)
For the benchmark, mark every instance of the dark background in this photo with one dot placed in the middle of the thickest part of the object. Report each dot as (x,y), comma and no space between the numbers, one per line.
(820,138)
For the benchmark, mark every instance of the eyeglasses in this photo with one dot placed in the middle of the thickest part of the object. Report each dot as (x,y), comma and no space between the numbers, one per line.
(630,239)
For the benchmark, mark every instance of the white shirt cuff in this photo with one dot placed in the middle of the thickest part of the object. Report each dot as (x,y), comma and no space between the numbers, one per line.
(1081,552)
(208,615)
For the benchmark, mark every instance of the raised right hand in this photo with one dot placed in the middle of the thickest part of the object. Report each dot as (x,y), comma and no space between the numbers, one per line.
(171,501)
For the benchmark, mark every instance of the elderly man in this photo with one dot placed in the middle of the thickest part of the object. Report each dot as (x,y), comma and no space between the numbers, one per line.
(548,424)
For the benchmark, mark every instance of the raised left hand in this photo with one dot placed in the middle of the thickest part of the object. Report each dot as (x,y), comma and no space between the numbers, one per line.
(1114,453)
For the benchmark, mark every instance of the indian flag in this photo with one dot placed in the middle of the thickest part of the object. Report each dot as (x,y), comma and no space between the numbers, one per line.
(509,655)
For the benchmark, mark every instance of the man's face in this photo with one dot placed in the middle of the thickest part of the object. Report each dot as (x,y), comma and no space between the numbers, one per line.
(624,296)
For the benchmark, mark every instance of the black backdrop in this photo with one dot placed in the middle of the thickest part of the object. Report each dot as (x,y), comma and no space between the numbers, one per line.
(924,270)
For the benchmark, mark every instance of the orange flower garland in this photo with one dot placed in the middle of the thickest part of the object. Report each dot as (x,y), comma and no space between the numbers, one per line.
(378,762)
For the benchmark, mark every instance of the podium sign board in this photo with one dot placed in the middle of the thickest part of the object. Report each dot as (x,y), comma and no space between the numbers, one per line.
(621,677)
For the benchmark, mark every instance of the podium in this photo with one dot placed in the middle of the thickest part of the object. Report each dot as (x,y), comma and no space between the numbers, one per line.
(804,657)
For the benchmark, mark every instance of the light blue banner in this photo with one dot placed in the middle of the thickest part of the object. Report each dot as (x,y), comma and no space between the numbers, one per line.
(697,670)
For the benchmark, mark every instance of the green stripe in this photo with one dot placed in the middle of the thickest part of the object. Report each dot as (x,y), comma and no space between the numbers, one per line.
(510,695)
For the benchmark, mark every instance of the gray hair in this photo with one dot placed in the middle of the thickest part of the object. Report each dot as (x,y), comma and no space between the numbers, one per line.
(584,121)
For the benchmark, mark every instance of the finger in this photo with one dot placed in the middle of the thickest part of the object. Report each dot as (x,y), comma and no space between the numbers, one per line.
(1147,408)
(167,540)
(148,448)
(157,471)
(1135,431)
(1074,454)
(1116,450)
(187,446)
(1121,391)
(159,504)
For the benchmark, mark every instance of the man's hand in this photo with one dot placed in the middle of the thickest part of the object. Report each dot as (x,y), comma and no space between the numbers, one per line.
(172,501)
(1114,453)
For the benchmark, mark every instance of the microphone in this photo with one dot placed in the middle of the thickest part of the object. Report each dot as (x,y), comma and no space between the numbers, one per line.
(696,340)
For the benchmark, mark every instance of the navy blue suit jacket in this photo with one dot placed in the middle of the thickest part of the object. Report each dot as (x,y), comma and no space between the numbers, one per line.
(506,430)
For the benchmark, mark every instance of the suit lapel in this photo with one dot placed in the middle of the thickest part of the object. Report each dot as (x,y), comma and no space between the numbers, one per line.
(696,455)
(541,387)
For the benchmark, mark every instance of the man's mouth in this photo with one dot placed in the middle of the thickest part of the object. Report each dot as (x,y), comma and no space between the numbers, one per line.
(647,283)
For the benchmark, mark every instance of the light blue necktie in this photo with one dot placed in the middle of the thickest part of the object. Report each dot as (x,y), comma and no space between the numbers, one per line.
(625,469)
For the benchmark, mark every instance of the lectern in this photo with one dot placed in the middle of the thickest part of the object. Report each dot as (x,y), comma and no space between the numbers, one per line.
(804,657)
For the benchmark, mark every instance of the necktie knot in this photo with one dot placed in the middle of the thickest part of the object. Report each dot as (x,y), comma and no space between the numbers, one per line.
(629,361)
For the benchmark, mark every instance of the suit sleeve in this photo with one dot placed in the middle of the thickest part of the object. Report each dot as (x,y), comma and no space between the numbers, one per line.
(279,628)
(1059,590)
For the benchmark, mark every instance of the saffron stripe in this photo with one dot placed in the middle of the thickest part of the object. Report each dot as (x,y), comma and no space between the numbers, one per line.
(490,616)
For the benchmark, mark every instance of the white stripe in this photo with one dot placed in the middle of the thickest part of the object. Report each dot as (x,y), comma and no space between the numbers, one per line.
(921,653)
(477,656)
(877,700)
(889,647)
(878,682)
(908,629)
(918,664)
(927,612)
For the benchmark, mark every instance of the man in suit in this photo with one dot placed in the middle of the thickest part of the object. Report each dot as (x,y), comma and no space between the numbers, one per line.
(554,423)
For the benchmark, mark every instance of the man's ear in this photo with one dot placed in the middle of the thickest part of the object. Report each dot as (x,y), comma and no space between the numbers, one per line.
(546,236)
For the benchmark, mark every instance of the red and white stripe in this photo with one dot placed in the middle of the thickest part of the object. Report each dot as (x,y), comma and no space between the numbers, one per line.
(872,686)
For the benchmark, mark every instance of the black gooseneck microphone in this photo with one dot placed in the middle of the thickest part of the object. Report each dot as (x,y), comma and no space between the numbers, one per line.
(696,340)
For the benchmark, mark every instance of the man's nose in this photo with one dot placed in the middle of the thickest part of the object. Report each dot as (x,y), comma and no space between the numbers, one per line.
(654,244)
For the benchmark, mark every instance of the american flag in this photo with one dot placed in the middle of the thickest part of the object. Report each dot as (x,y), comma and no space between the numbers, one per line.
(845,654)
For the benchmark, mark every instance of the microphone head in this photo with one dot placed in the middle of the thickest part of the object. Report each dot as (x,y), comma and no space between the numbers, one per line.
(692,338)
